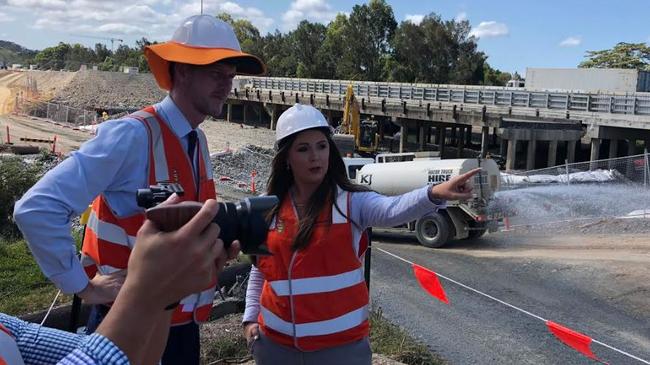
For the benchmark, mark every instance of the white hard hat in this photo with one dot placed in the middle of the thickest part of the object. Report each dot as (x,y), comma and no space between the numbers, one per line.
(200,40)
(298,118)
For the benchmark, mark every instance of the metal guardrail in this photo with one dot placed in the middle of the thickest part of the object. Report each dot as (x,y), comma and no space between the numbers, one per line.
(633,104)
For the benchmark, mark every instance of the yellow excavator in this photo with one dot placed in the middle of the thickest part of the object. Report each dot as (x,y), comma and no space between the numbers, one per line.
(363,132)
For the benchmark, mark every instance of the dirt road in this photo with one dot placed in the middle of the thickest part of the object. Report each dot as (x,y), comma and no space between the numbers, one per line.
(595,284)
(6,100)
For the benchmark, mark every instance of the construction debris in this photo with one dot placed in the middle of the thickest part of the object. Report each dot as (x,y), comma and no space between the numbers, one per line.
(246,169)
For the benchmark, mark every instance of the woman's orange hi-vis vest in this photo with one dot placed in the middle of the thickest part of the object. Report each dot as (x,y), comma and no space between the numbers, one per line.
(316,297)
(109,239)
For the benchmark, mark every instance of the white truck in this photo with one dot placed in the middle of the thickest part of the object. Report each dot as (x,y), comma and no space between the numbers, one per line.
(461,219)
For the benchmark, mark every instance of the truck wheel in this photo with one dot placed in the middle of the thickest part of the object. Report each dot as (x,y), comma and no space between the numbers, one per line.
(433,230)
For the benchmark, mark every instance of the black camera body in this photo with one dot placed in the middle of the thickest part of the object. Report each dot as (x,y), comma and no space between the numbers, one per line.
(245,221)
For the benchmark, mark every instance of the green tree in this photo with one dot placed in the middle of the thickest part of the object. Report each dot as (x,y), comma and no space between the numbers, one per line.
(305,44)
(333,48)
(52,58)
(276,52)
(623,55)
(101,52)
(494,77)
(366,40)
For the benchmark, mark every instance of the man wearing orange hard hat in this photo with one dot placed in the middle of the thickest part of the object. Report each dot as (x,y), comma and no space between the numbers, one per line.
(160,143)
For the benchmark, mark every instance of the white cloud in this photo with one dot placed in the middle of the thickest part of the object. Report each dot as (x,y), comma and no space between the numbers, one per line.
(414,18)
(572,41)
(4,17)
(318,11)
(462,16)
(490,29)
(154,19)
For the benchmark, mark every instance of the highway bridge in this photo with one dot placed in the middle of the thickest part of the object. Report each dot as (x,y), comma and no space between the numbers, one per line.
(524,124)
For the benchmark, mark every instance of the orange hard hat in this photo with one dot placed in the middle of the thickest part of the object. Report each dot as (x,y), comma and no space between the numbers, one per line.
(200,40)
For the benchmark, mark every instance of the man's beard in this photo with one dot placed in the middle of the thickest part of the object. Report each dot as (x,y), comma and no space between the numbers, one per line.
(213,111)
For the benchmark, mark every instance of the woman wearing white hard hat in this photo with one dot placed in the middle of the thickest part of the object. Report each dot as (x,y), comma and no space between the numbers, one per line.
(308,302)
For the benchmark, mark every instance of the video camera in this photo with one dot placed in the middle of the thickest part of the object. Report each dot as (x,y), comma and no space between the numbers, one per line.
(245,221)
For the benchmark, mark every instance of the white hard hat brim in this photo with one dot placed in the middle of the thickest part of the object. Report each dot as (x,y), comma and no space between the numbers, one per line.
(160,55)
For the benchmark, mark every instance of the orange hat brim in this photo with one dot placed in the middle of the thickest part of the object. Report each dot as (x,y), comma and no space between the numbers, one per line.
(160,55)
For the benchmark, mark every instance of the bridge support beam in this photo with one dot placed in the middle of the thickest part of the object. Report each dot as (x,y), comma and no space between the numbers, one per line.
(468,136)
(228,112)
(244,110)
(571,151)
(494,137)
(552,153)
(403,130)
(485,134)
(511,154)
(460,143)
(530,158)
(595,152)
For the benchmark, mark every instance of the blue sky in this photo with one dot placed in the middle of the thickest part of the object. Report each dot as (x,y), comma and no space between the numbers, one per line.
(514,34)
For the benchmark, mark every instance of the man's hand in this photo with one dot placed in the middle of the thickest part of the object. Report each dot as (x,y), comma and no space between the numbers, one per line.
(103,289)
(457,188)
(171,265)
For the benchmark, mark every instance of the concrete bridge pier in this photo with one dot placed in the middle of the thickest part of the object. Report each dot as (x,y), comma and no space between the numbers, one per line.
(468,136)
(552,153)
(595,152)
(229,112)
(460,143)
(511,154)
(536,142)
(403,130)
(244,112)
(421,136)
(571,151)
(441,139)
(275,114)
(485,134)
(530,156)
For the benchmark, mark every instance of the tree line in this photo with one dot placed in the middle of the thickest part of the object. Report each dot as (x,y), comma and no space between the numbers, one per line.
(366,45)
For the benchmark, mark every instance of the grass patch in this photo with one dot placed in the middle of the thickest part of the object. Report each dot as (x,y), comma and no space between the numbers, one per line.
(390,340)
(222,340)
(23,288)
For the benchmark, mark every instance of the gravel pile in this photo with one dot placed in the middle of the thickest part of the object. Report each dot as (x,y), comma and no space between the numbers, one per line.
(111,90)
(233,169)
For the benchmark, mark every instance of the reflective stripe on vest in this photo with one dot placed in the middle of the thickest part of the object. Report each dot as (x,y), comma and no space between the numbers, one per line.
(197,300)
(319,284)
(109,231)
(326,327)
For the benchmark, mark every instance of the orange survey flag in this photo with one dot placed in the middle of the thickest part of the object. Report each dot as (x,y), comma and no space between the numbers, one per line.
(573,339)
(429,281)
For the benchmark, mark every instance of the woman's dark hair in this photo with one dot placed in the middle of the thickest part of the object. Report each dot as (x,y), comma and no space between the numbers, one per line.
(281,180)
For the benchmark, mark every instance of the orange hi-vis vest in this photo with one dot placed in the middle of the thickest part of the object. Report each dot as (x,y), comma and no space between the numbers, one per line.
(316,297)
(109,239)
